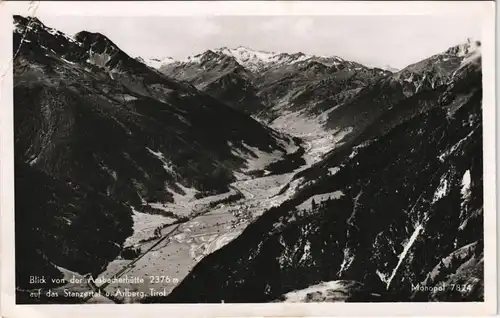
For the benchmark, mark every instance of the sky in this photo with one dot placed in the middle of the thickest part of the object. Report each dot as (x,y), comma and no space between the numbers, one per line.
(375,40)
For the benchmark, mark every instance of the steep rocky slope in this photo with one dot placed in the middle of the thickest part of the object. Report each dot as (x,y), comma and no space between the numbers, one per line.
(267,83)
(148,129)
(93,124)
(365,112)
(388,218)
(221,76)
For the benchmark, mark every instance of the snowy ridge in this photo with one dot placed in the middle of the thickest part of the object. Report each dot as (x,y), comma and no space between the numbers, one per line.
(442,66)
(471,52)
(255,60)
(465,49)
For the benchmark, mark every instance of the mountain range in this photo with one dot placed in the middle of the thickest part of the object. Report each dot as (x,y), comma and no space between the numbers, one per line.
(384,200)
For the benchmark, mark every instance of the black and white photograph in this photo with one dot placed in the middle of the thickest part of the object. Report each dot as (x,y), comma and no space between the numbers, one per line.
(241,159)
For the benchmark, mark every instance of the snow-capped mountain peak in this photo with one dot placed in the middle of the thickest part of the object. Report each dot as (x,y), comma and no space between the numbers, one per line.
(465,49)
(32,24)
(470,51)
(257,60)
(156,63)
(252,59)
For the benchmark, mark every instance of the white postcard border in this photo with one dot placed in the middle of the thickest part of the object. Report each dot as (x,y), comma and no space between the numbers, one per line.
(178,8)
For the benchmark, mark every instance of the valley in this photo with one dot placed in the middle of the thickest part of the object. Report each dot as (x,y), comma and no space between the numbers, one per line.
(210,226)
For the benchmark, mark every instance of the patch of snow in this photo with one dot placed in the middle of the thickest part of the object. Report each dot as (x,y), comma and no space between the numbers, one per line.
(307,252)
(355,149)
(166,164)
(185,205)
(463,225)
(382,277)
(466,49)
(52,31)
(189,193)
(261,160)
(110,171)
(322,144)
(193,59)
(156,63)
(465,192)
(59,33)
(68,221)
(127,97)
(441,190)
(145,225)
(407,247)
(300,295)
(333,170)
(280,198)
(465,183)
(409,80)
(68,274)
(249,58)
(65,60)
(448,152)
(471,58)
(347,261)
(34,161)
(318,198)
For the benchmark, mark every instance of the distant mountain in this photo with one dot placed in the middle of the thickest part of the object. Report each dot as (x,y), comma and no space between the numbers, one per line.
(391,213)
(325,94)
(89,116)
(348,101)
(156,63)
(258,61)
(437,69)
(221,76)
